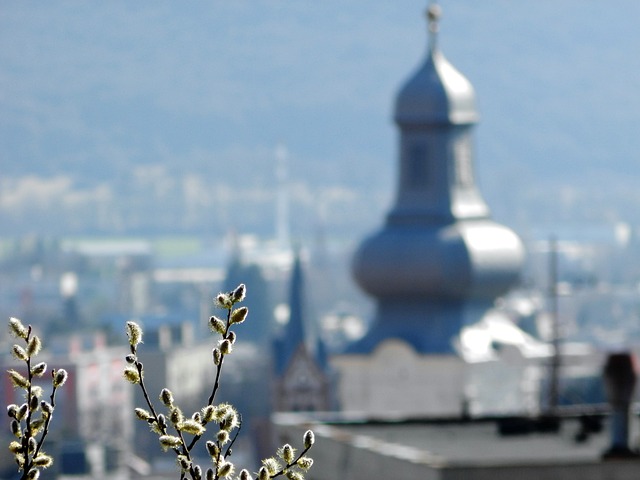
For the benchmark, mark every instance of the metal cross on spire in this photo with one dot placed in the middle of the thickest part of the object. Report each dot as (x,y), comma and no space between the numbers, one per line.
(434,12)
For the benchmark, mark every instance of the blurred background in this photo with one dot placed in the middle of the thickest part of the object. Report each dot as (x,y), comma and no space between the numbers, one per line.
(152,154)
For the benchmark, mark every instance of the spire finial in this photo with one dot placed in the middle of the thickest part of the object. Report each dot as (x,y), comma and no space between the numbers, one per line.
(434,12)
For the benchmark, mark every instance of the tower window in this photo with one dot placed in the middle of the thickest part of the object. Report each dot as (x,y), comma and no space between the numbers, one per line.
(417,173)
(463,165)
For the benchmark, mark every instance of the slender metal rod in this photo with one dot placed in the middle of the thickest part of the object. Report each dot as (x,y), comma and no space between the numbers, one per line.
(554,379)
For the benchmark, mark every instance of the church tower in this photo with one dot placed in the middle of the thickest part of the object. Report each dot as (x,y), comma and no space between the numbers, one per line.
(301,382)
(438,263)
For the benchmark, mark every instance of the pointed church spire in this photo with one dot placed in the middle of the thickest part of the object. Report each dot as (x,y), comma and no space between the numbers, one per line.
(301,382)
(295,327)
(294,334)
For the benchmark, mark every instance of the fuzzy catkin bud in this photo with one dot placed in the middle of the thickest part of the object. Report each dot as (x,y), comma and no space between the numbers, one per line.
(32,444)
(197,472)
(230,420)
(169,441)
(36,426)
(142,414)
(293,475)
(131,375)
(191,427)
(217,325)
(231,336)
(43,461)
(263,474)
(162,421)
(34,474)
(225,347)
(184,462)
(222,437)
(19,459)
(20,353)
(212,449)
(208,413)
(34,346)
(225,469)
(166,397)
(217,356)
(130,358)
(15,428)
(210,474)
(39,369)
(223,301)
(18,380)
(15,447)
(244,475)
(175,416)
(46,407)
(239,293)
(22,411)
(134,332)
(239,315)
(18,329)
(33,403)
(60,377)
(288,453)
(271,465)
(12,410)
(305,463)
(308,439)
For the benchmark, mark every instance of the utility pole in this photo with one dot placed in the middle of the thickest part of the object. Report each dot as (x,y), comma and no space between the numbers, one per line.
(554,379)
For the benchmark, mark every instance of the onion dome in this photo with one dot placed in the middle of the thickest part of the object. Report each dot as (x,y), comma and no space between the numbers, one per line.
(436,93)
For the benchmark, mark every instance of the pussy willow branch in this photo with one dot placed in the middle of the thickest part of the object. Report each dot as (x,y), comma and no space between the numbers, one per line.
(216,384)
(147,399)
(228,452)
(292,464)
(28,461)
(185,449)
(47,420)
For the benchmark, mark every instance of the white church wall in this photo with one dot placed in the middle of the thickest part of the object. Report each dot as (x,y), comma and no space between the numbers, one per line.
(397,381)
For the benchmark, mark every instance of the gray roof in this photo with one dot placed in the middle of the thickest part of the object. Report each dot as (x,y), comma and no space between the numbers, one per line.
(436,93)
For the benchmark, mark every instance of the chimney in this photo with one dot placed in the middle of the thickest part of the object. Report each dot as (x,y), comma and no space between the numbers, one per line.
(619,383)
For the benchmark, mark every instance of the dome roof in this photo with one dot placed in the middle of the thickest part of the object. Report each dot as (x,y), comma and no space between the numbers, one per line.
(437,93)
(469,259)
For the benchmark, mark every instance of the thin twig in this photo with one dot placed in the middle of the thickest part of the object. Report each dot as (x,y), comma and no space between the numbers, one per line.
(292,464)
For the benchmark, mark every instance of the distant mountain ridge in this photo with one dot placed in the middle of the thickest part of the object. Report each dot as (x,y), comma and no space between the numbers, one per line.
(95,93)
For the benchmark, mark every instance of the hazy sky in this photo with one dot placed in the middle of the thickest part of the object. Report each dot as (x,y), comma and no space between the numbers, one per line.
(90,83)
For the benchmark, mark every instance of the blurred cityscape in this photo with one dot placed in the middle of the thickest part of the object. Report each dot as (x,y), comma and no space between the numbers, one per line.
(117,231)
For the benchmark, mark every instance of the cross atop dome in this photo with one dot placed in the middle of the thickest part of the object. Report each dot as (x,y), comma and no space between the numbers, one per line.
(433,13)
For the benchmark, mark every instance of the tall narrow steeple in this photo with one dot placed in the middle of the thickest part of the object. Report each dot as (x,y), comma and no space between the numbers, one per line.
(301,382)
